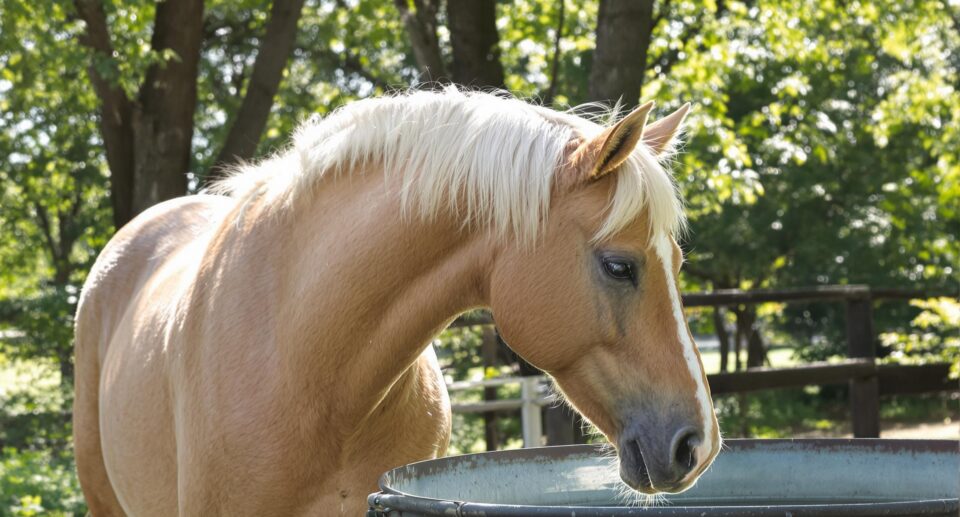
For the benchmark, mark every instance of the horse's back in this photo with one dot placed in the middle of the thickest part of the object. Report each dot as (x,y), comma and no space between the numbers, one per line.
(123,277)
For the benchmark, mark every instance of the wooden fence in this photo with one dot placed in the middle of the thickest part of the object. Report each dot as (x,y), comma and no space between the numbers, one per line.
(867,379)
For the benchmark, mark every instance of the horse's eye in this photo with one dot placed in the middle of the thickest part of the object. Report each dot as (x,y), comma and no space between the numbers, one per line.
(618,269)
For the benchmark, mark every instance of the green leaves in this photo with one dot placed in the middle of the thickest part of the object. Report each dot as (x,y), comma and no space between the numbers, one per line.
(36,463)
(933,336)
(797,129)
(53,193)
(37,483)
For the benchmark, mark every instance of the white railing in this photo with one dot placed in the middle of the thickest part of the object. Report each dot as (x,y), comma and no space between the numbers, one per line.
(532,398)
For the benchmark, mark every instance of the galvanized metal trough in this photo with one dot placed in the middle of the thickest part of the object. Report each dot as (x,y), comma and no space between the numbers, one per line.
(750,477)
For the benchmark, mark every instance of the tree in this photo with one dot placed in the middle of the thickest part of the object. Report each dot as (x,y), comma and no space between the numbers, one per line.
(475,43)
(421,24)
(148,134)
(147,124)
(814,159)
(624,29)
(54,207)
(251,119)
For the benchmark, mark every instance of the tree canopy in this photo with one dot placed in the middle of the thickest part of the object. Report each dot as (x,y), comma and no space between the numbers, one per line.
(822,148)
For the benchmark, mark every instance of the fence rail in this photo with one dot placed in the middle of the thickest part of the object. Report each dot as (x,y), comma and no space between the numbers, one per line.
(531,400)
(893,379)
(867,379)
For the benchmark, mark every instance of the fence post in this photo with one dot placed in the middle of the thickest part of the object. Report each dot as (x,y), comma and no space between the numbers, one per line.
(530,414)
(488,351)
(864,392)
(562,425)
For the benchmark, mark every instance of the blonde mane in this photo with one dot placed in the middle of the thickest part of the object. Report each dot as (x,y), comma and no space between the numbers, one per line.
(488,157)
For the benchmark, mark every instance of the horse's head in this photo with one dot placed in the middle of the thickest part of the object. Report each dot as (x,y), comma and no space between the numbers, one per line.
(596,304)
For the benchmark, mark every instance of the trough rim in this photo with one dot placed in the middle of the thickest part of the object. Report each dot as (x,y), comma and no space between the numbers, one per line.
(387,499)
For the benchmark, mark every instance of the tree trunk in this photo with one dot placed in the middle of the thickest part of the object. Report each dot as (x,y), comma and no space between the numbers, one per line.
(620,58)
(756,351)
(738,342)
(65,361)
(475,42)
(555,60)
(148,141)
(748,334)
(720,326)
(563,425)
(488,352)
(163,117)
(250,120)
(115,111)
(421,26)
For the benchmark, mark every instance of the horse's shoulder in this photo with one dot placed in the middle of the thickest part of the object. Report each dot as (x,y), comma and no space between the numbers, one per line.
(146,241)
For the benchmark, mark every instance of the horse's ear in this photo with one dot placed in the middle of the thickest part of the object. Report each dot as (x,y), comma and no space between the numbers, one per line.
(659,135)
(602,154)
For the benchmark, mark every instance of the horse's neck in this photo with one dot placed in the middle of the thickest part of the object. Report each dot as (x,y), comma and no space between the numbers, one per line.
(359,292)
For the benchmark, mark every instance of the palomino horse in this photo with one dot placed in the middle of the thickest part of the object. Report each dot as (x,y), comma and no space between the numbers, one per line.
(266,352)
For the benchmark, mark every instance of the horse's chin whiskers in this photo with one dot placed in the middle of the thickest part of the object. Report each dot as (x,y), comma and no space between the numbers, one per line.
(588,429)
(723,444)
(629,497)
(558,399)
(608,451)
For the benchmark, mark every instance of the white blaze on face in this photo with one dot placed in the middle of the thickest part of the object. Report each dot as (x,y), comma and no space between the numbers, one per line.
(664,248)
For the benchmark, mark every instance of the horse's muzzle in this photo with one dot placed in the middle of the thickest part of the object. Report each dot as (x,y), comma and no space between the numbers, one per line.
(653,461)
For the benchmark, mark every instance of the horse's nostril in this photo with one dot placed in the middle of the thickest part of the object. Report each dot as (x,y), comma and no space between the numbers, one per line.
(633,468)
(685,453)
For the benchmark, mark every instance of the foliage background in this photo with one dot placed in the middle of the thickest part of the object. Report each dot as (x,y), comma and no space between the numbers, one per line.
(823,149)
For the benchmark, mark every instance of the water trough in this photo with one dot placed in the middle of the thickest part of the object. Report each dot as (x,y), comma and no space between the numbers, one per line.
(750,478)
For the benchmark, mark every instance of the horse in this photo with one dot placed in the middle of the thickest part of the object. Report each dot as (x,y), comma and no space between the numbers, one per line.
(263,348)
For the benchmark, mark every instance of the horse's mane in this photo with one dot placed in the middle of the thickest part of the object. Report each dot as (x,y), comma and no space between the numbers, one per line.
(488,156)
